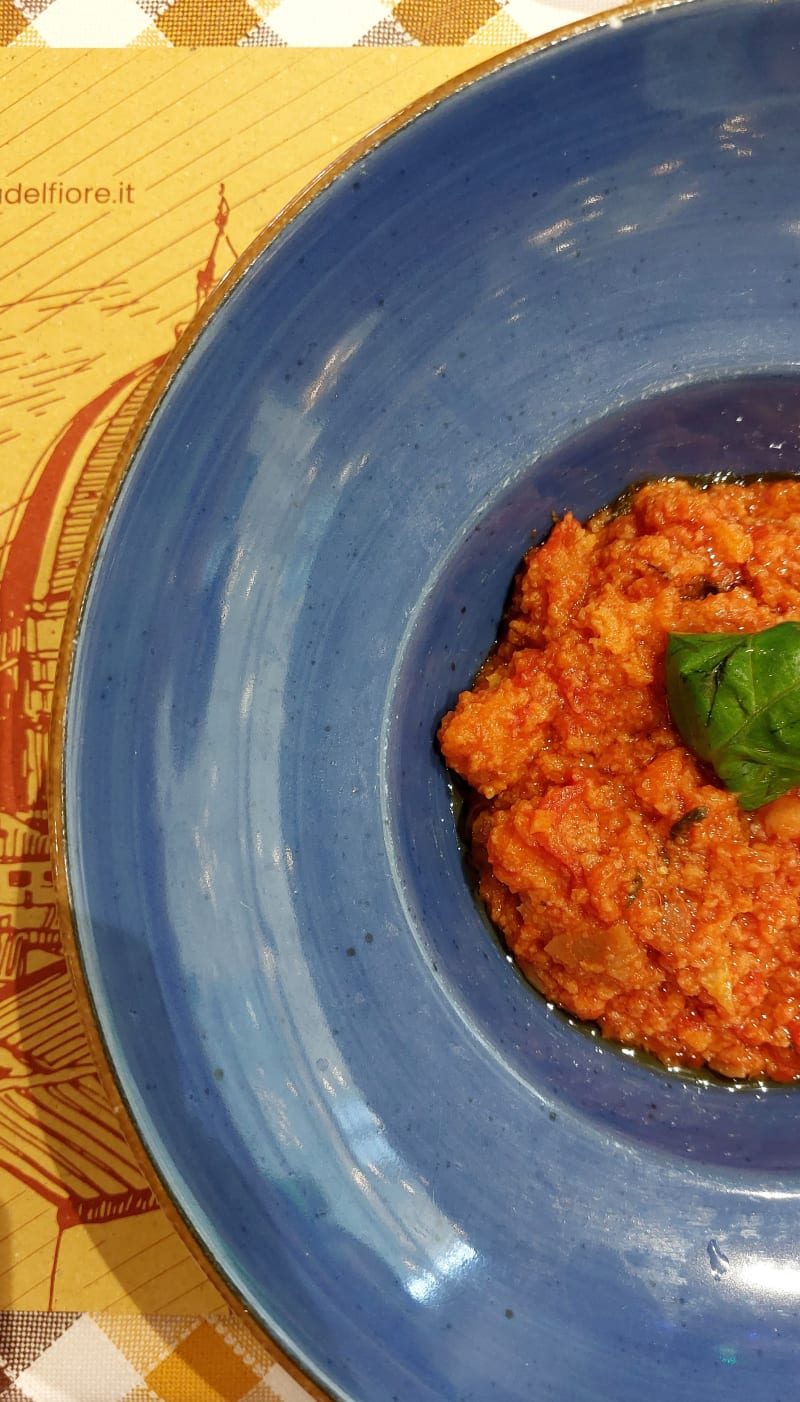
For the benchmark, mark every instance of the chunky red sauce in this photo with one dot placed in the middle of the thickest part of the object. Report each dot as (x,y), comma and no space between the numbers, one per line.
(627,882)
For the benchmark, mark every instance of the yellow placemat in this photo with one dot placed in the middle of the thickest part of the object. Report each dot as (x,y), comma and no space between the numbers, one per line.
(131,178)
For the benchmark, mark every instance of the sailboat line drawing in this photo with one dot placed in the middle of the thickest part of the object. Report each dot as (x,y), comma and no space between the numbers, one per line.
(58,1132)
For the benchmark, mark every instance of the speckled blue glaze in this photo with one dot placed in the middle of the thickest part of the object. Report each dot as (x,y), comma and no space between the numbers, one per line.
(424,1182)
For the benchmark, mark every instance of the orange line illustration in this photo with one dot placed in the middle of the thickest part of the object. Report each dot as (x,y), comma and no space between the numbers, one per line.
(58,1135)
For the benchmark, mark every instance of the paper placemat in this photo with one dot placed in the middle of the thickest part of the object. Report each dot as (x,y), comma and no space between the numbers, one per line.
(134,172)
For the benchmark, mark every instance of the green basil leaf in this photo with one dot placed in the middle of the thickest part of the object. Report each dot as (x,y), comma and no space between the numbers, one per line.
(735,700)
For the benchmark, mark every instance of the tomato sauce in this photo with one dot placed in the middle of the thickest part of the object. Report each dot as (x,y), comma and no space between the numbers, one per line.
(627,882)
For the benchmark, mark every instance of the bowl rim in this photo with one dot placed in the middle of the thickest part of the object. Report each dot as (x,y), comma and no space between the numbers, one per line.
(611,18)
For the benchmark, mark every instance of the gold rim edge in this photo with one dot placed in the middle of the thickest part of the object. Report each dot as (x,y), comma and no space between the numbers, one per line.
(613,17)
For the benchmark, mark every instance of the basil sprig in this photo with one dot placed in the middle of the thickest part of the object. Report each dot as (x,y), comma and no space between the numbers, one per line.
(735,699)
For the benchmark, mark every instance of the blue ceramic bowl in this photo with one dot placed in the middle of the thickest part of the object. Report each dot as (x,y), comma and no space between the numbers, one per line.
(580,269)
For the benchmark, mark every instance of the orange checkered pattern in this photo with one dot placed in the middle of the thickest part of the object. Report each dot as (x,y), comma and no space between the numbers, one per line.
(136,1358)
(300,23)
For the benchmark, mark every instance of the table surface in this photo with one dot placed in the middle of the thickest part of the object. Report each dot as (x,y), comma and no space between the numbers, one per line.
(146,143)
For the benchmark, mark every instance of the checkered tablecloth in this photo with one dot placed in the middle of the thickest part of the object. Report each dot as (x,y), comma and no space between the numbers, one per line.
(101,1301)
(72,1357)
(298,23)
